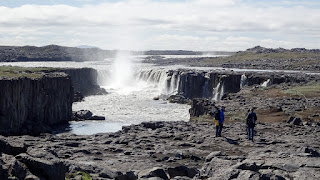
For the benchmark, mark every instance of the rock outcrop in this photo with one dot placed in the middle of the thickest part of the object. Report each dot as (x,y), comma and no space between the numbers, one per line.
(85,115)
(34,105)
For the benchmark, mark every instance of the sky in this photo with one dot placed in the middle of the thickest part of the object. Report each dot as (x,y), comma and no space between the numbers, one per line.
(200,25)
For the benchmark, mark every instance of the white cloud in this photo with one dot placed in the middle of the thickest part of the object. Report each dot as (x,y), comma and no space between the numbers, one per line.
(233,24)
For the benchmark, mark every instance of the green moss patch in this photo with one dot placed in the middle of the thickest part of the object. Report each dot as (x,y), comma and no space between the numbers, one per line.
(83,175)
(309,90)
(21,72)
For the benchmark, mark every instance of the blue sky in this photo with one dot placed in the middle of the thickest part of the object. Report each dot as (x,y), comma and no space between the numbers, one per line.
(161,24)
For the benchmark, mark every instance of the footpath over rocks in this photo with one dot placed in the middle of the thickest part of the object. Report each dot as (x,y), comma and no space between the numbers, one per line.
(167,150)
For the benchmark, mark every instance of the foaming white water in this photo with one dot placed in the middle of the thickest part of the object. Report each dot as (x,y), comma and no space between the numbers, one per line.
(124,108)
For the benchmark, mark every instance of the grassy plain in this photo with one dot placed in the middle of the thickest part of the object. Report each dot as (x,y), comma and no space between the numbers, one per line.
(20,72)
(294,59)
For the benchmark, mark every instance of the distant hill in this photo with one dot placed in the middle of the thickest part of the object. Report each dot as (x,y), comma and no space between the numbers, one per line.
(183,52)
(268,58)
(86,46)
(80,53)
(52,53)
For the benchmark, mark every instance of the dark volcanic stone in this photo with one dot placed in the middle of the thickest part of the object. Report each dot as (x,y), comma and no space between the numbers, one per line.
(47,169)
(154,172)
(182,171)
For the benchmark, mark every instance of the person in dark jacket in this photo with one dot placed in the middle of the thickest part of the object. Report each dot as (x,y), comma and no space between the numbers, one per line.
(251,123)
(219,126)
(216,119)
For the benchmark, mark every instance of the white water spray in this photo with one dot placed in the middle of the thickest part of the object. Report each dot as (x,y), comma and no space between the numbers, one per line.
(267,83)
(121,71)
(122,76)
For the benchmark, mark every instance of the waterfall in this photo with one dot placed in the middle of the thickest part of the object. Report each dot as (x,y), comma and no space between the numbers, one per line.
(266,83)
(218,91)
(167,84)
(205,88)
(174,84)
(103,77)
(243,81)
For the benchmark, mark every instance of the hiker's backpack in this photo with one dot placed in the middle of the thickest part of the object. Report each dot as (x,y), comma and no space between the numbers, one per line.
(217,114)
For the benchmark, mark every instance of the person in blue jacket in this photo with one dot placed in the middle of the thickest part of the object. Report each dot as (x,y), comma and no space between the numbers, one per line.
(221,121)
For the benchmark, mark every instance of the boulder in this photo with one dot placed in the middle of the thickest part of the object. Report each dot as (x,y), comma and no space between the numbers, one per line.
(127,176)
(201,107)
(178,99)
(97,118)
(11,147)
(10,167)
(182,171)
(248,166)
(154,172)
(152,125)
(45,169)
(247,174)
(83,114)
(106,173)
(312,152)
(294,121)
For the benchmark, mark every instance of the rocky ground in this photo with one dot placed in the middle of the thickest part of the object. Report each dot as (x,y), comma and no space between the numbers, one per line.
(273,104)
(167,150)
(254,58)
(190,150)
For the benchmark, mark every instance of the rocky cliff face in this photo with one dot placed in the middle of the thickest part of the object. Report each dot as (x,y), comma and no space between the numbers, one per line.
(33,105)
(84,80)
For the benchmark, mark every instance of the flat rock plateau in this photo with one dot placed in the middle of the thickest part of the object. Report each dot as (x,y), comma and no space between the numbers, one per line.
(169,150)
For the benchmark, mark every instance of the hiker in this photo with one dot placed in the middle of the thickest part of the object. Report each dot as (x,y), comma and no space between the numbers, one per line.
(251,123)
(216,119)
(219,119)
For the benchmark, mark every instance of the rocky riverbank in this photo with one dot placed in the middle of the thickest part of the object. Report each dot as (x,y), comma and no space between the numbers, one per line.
(175,150)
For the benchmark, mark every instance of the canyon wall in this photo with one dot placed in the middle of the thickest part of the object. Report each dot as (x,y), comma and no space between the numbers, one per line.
(213,84)
(84,80)
(34,105)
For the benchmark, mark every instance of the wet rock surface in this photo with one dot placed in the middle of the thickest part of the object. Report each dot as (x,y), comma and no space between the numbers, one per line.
(163,150)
